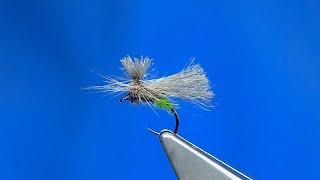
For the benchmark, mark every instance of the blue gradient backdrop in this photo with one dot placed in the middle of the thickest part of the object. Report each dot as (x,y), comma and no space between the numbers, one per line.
(261,57)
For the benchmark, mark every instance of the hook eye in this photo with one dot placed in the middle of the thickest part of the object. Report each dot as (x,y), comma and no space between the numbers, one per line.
(127,97)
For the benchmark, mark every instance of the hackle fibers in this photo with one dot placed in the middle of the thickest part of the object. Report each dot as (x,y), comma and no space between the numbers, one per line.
(190,84)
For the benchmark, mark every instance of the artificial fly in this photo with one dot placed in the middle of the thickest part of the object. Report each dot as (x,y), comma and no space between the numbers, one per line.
(190,84)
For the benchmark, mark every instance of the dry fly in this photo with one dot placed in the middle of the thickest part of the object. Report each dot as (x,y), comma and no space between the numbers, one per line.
(190,84)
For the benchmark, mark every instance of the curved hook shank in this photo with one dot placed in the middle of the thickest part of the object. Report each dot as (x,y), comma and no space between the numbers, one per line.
(175,131)
(177,120)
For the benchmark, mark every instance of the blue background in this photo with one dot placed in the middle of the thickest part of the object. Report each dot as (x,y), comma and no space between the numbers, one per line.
(262,58)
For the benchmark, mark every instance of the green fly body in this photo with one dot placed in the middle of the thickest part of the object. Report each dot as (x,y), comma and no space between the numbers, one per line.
(190,84)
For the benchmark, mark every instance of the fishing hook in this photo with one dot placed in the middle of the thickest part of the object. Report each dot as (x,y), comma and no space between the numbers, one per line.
(175,131)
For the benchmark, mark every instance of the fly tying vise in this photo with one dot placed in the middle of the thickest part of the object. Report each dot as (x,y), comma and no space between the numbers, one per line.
(190,84)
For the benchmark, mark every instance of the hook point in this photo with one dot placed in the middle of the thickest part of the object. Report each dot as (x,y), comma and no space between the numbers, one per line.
(154,132)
